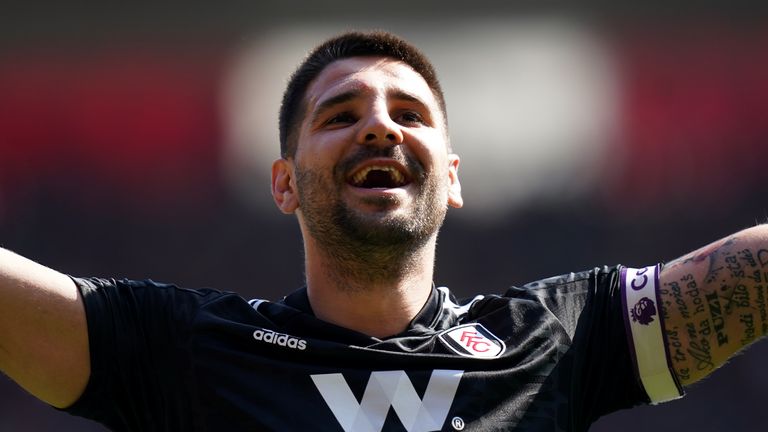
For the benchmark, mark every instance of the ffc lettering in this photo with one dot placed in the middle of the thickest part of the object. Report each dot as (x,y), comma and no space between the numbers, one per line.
(474,342)
(387,389)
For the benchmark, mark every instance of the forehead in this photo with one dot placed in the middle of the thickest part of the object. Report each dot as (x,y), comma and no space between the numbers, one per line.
(368,75)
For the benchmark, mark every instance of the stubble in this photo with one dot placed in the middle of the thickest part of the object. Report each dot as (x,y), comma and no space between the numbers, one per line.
(374,246)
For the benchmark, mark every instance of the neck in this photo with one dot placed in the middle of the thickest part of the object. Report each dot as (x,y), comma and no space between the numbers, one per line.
(375,294)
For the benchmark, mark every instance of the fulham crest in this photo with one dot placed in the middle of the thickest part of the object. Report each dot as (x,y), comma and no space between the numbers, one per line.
(472,340)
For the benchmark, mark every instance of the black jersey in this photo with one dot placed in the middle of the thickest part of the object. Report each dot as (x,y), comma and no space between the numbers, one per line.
(553,355)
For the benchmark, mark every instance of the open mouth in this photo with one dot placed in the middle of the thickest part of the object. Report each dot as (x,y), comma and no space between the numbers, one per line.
(379,177)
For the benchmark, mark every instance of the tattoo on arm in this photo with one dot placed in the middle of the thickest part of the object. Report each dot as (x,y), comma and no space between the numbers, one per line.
(713,304)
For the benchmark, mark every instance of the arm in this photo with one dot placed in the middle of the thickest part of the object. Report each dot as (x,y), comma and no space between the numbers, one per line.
(43,332)
(714,302)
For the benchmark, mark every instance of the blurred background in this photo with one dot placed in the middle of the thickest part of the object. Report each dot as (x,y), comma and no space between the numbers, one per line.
(136,141)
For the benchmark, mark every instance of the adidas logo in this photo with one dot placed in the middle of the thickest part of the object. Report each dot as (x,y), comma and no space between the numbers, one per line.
(284,340)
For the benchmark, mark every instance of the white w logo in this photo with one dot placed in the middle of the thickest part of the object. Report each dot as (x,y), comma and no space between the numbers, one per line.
(390,388)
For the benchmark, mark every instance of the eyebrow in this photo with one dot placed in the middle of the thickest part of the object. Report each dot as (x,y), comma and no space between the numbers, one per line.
(408,97)
(347,96)
(333,101)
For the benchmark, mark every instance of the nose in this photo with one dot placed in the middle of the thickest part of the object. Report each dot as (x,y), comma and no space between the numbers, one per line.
(379,129)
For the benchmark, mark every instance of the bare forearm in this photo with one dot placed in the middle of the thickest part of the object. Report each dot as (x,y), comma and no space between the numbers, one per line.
(43,338)
(714,302)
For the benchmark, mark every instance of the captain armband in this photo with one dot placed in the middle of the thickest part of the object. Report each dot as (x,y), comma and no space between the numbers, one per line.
(647,343)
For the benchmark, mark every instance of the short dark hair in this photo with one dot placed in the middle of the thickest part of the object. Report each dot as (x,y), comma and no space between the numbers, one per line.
(346,45)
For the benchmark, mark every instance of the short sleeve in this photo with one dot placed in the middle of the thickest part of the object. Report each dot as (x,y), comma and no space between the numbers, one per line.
(591,308)
(138,335)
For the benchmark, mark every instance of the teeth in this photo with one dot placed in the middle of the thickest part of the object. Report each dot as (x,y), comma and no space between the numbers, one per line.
(396,175)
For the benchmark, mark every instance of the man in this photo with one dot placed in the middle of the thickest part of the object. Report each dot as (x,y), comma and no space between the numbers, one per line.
(370,343)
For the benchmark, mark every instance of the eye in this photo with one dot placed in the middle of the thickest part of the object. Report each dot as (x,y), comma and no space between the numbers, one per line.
(407,117)
(341,118)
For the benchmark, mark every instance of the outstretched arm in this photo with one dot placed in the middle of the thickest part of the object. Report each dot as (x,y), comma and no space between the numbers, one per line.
(43,333)
(714,302)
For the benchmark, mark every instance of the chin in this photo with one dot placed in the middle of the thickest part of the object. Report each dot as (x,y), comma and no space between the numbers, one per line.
(387,228)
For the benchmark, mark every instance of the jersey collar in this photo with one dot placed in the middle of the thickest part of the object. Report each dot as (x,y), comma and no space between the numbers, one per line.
(424,321)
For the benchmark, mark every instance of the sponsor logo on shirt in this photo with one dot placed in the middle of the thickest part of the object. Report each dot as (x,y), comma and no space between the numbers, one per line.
(472,340)
(391,389)
(281,339)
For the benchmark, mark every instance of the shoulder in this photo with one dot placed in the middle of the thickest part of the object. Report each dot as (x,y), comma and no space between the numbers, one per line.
(143,297)
(572,289)
(94,284)
(572,282)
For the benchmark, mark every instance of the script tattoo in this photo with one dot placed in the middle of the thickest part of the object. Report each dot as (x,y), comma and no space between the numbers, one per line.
(700,351)
(677,353)
(715,312)
(708,253)
(673,290)
(714,302)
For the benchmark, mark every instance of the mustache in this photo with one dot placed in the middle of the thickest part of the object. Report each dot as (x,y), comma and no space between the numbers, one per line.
(414,167)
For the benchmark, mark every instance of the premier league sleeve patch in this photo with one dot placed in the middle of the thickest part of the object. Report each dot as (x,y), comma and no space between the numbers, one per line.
(472,340)
(642,319)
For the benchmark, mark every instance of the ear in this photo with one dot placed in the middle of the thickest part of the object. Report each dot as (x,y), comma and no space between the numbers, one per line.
(454,188)
(283,186)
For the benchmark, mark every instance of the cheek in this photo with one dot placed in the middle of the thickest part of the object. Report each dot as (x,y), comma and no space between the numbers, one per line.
(325,148)
(429,146)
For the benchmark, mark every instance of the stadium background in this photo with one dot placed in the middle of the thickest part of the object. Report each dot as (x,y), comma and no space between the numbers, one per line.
(135,141)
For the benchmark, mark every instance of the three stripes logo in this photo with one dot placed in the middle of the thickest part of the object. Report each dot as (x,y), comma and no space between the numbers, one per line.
(387,389)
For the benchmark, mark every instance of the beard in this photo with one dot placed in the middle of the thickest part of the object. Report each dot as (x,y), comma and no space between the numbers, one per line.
(371,246)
